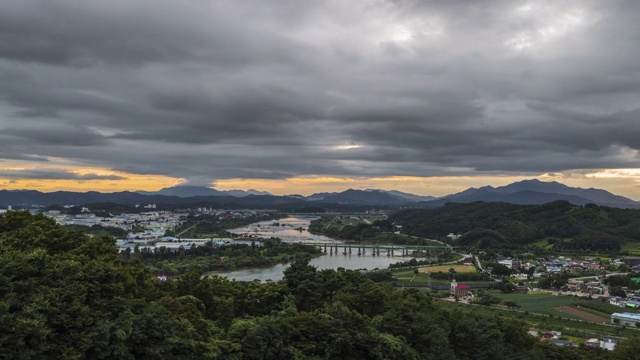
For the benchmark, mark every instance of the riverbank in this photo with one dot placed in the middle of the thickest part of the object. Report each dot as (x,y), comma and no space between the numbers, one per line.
(372,229)
(232,257)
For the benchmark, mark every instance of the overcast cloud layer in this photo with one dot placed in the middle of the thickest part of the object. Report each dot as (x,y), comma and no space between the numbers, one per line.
(210,90)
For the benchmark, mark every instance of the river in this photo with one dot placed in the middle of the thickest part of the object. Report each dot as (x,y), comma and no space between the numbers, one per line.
(291,229)
(290,232)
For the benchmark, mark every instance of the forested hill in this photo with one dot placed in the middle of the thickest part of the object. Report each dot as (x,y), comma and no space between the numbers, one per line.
(498,225)
(67,296)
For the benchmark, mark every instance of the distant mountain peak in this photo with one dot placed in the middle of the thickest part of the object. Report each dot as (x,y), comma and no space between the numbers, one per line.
(534,191)
(191,191)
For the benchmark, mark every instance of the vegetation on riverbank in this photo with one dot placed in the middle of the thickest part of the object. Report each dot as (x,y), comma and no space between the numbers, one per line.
(445,257)
(371,230)
(224,258)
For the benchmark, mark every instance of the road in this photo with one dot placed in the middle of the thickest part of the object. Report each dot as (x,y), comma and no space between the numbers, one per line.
(477,261)
(331,222)
(421,238)
(185,230)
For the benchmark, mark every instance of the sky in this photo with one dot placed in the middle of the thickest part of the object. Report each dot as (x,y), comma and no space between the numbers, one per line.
(288,96)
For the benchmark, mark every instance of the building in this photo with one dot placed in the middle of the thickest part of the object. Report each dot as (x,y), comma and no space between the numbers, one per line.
(609,343)
(459,290)
(575,285)
(629,319)
(632,261)
(508,262)
(562,343)
(592,343)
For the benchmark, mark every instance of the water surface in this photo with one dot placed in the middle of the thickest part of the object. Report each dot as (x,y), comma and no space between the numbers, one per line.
(291,233)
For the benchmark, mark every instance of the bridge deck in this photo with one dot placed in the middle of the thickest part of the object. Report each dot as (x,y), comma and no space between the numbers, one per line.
(383,246)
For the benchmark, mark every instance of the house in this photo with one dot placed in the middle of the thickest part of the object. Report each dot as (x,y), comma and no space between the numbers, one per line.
(575,267)
(552,335)
(563,343)
(609,343)
(593,342)
(508,262)
(631,261)
(574,284)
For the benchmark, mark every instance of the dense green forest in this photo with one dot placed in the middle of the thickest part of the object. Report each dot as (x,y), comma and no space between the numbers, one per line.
(504,225)
(64,295)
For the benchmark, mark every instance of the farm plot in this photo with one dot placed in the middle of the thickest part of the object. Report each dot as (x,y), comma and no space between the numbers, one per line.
(445,268)
(583,314)
(540,303)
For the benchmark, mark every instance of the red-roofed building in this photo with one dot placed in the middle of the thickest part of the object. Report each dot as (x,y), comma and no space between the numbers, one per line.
(459,290)
(462,290)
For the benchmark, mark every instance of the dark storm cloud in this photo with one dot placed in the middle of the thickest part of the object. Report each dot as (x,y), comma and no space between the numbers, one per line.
(209,90)
(53,135)
(52,174)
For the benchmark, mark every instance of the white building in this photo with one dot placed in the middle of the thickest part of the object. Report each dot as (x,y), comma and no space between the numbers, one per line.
(629,319)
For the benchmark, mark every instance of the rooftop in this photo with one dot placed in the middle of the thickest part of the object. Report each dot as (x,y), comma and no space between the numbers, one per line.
(631,316)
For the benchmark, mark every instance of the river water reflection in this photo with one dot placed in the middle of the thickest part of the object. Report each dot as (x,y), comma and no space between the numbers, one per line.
(288,233)
(291,229)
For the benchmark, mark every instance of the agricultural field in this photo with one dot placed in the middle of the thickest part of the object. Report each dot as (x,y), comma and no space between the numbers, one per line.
(585,315)
(568,326)
(632,248)
(543,244)
(539,303)
(445,268)
(409,275)
(405,276)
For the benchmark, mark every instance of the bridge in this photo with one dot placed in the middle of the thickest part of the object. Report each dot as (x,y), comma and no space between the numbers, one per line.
(379,249)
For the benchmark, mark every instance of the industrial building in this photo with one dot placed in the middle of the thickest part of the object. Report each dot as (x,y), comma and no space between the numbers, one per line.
(629,319)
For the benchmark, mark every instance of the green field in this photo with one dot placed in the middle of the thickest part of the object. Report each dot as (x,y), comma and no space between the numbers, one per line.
(632,248)
(445,268)
(405,276)
(539,303)
(568,326)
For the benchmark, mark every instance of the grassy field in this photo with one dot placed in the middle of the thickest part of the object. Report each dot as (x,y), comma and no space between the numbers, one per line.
(445,268)
(632,248)
(543,244)
(539,303)
(409,276)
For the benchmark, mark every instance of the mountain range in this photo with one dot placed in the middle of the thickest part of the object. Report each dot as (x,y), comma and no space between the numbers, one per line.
(529,192)
(522,192)
(191,191)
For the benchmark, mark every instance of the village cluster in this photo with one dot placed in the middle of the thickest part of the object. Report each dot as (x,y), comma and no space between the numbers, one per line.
(148,230)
